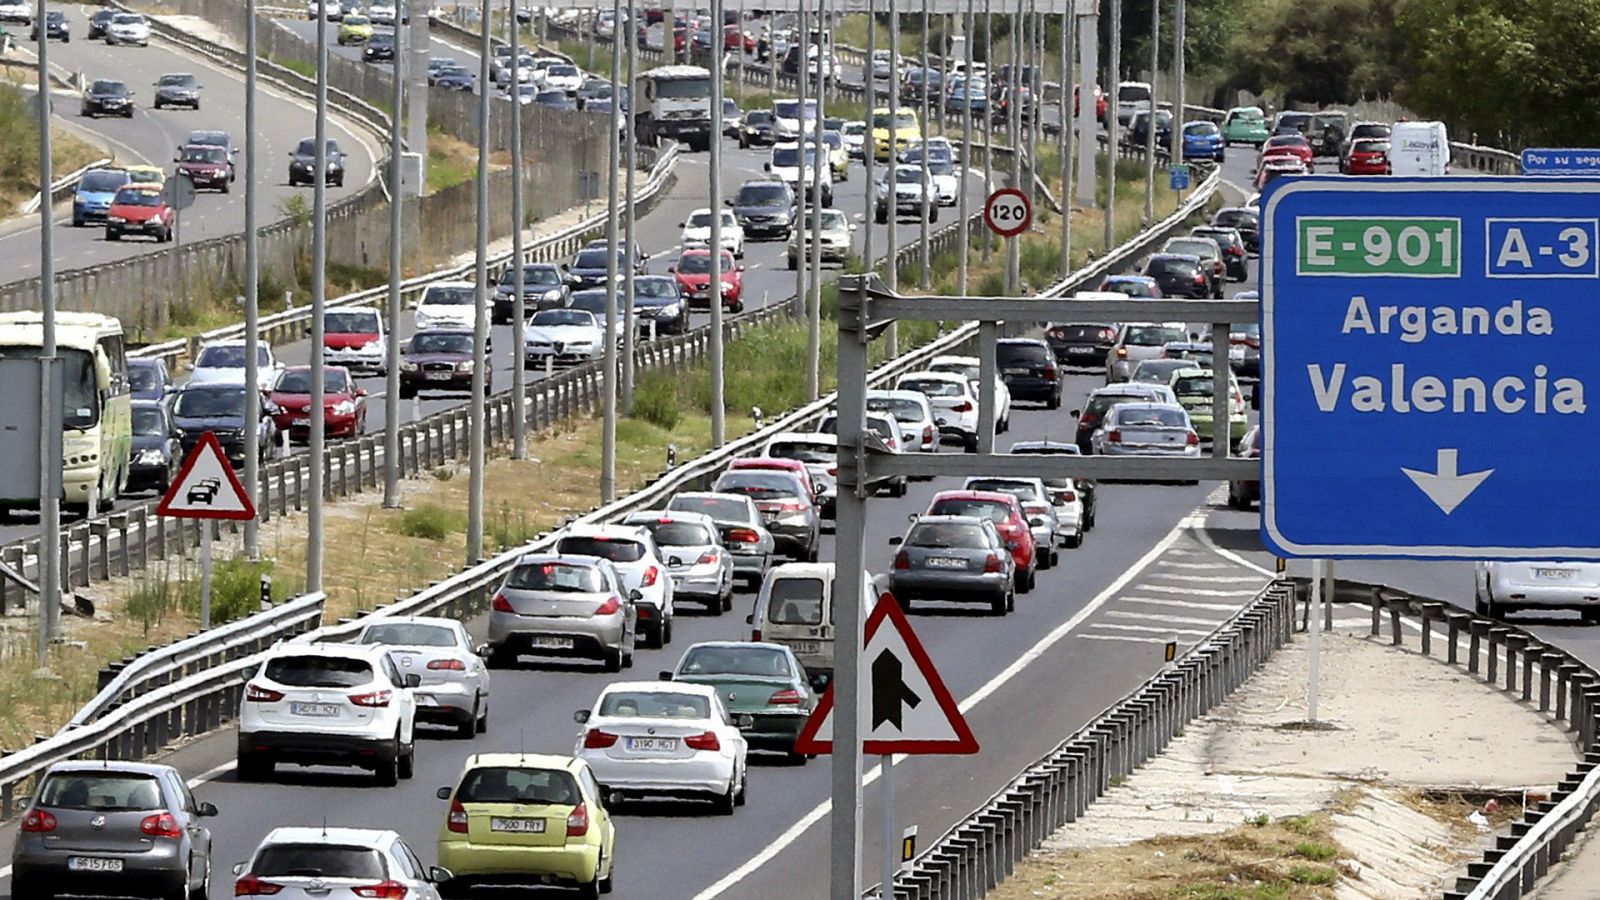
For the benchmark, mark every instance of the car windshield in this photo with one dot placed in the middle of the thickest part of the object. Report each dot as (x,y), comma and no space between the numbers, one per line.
(441,343)
(382,38)
(763,195)
(591,302)
(308,147)
(531,276)
(1201,249)
(214,155)
(1021,354)
(411,634)
(228,356)
(655,705)
(1237,218)
(149,422)
(319,671)
(1170,266)
(298,381)
(1193,386)
(790,156)
(561,71)
(320,860)
(908,175)
(463,295)
(540,787)
(351,322)
(455,72)
(1130,93)
(215,138)
(1151,335)
(1370,147)
(720,509)
(614,549)
(992,510)
(746,661)
(795,601)
(901,121)
(947,535)
(1159,371)
(356,21)
(101,792)
(663,288)
(550,317)
(758,117)
(109,89)
(1130,286)
(178,81)
(790,109)
(144,378)
(204,403)
(702,219)
(758,484)
(932,387)
(137,197)
(700,263)
(1149,416)
(593,259)
(556,576)
(127,19)
(102,181)
(804,451)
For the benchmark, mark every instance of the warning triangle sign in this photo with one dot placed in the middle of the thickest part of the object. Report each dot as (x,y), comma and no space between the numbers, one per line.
(908,708)
(207,488)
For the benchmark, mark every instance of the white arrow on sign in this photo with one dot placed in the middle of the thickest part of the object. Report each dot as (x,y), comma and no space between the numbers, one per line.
(1446,488)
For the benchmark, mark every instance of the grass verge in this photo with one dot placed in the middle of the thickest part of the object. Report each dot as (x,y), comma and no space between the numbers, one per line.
(19,150)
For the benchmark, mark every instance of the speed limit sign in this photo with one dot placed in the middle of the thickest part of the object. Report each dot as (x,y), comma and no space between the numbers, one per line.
(1008,212)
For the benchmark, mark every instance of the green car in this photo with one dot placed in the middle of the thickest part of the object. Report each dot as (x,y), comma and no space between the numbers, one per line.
(1245,125)
(763,680)
(1194,387)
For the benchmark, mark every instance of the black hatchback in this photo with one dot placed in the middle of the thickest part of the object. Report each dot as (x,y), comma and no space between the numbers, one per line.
(1179,275)
(1028,367)
(1243,220)
(1081,344)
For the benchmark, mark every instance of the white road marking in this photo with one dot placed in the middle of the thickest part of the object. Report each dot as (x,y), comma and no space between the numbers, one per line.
(1206,579)
(1126,638)
(1171,564)
(1190,632)
(783,841)
(1201,592)
(1156,617)
(1181,604)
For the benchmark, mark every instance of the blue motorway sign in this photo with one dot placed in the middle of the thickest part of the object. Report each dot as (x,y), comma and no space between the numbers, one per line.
(1178,177)
(1429,345)
(1560,161)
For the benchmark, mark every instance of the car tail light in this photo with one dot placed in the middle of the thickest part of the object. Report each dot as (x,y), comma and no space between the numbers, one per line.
(902,560)
(706,741)
(927,434)
(963,406)
(1114,436)
(755,634)
(991,563)
(251,886)
(1235,251)
(1192,439)
(1050,373)
(385,890)
(706,558)
(744,536)
(650,576)
(785,697)
(578,821)
(608,608)
(457,820)
(1199,277)
(374,700)
(256,694)
(448,665)
(1122,352)
(791,506)
(595,739)
(1067,496)
(161,825)
(37,821)
(501,604)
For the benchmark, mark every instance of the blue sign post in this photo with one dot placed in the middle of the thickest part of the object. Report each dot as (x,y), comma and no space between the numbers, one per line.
(1178,177)
(1429,352)
(1560,161)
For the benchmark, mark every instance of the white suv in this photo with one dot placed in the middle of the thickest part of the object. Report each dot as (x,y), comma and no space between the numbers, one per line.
(328,704)
(335,863)
(634,554)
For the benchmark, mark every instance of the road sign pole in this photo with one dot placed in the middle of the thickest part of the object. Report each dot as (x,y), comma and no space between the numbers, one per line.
(1018,148)
(205,575)
(1150,123)
(252,275)
(719,413)
(630,235)
(480,321)
(1087,14)
(891,337)
(1068,21)
(519,375)
(391,348)
(965,238)
(991,75)
(802,186)
(1314,626)
(319,300)
(930,201)
(823,163)
(608,377)
(50,415)
(869,145)
(1113,134)
(890,851)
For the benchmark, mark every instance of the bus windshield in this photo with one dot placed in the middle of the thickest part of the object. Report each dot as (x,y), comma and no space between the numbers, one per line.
(82,402)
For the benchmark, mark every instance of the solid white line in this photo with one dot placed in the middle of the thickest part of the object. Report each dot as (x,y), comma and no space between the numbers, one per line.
(1199,592)
(1171,564)
(1153,617)
(1229,555)
(771,851)
(1120,637)
(1152,629)
(1180,604)
(1200,578)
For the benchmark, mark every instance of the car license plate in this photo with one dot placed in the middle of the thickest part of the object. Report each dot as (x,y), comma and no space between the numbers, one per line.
(438,376)
(1014,372)
(653,745)
(323,710)
(94,864)
(551,643)
(1080,349)
(806,646)
(515,825)
(946,562)
(302,420)
(1554,574)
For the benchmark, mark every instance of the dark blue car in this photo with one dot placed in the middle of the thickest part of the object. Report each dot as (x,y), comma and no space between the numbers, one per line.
(155,452)
(149,379)
(92,199)
(1203,140)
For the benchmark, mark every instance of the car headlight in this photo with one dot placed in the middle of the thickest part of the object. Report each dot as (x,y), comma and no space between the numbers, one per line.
(116,220)
(552,295)
(344,407)
(464,366)
(423,320)
(408,367)
(150,457)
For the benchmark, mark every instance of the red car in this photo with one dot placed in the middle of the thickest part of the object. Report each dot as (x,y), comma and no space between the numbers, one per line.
(774,464)
(693,271)
(1005,510)
(1295,144)
(1099,102)
(730,39)
(206,165)
(1367,158)
(140,209)
(344,406)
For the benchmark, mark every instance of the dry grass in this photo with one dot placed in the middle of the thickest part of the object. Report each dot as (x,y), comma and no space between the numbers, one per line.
(1289,859)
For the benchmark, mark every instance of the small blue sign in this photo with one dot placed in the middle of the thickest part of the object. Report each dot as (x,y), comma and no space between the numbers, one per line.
(1428,358)
(1561,161)
(1178,176)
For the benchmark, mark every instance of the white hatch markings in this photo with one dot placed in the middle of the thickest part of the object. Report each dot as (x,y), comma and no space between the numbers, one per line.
(1153,629)
(1179,604)
(1142,616)
(1190,590)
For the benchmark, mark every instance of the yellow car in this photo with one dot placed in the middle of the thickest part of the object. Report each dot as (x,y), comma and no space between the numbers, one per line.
(146,175)
(355,30)
(838,156)
(905,128)
(519,818)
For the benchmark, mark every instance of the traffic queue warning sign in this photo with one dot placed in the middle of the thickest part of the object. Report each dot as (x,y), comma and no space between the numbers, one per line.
(1427,355)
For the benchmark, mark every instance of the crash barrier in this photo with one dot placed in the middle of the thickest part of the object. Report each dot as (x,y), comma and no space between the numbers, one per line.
(981,850)
(62,188)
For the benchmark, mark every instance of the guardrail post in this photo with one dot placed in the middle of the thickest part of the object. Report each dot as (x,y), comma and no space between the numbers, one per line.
(1533,649)
(1427,612)
(1578,714)
(1478,628)
(1548,661)
(1564,672)
(1515,643)
(1456,621)
(1591,704)
(1496,636)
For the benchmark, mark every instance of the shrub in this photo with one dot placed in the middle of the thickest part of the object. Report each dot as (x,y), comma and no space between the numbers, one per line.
(656,400)
(429,522)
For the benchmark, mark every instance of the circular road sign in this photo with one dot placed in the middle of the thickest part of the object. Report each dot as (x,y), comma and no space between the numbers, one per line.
(179,191)
(1008,212)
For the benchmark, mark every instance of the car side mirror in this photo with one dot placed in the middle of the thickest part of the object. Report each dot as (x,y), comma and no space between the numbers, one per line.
(413,680)
(581,716)
(727,201)
(206,810)
(1012,545)
(635,596)
(361,392)
(766,167)
(663,676)
(671,269)
(482,650)
(896,541)
(1074,413)
(440,875)
(176,159)
(750,619)
(188,367)
(442,793)
(240,868)
(744,720)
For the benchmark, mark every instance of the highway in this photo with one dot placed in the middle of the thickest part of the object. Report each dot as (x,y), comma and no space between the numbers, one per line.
(152,136)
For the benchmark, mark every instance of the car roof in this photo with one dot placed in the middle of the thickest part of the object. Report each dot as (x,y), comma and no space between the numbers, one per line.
(461,331)
(660,687)
(739,645)
(116,766)
(361,837)
(414,620)
(926,375)
(807,437)
(297,648)
(620,532)
(953,520)
(647,516)
(451,284)
(1062,447)
(521,761)
(1150,405)
(965,494)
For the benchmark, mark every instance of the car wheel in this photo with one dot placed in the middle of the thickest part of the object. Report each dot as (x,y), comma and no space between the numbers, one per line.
(1075,541)
(1011,601)
(406,765)
(744,788)
(727,802)
(666,630)
(1053,402)
(608,883)
(157,103)
(113,235)
(388,772)
(30,888)
(225,187)
(482,725)
(613,659)
(466,729)
(795,759)
(793,264)
(652,637)
(899,488)
(255,767)
(998,605)
(501,658)
(77,221)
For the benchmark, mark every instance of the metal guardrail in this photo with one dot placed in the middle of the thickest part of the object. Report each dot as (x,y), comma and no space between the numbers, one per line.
(978,852)
(61,188)
(122,682)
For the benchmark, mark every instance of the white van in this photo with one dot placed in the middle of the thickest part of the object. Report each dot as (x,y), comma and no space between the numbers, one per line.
(795,608)
(1419,148)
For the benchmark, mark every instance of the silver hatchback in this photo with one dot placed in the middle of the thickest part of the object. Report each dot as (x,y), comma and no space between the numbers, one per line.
(563,605)
(691,546)
(118,828)
(740,527)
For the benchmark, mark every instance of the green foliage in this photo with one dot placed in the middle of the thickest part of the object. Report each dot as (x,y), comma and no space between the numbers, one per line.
(235,589)
(1318,54)
(1315,851)
(429,522)
(301,67)
(1313,875)
(296,208)
(655,400)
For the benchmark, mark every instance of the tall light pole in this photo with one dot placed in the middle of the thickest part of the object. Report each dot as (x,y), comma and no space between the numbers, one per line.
(988,115)
(719,426)
(930,202)
(966,147)
(1018,146)
(1087,14)
(1150,121)
(869,144)
(391,375)
(1113,131)
(252,277)
(823,163)
(51,428)
(480,320)
(891,233)
(1085,97)
(802,185)
(629,214)
(319,303)
(608,389)
(1180,35)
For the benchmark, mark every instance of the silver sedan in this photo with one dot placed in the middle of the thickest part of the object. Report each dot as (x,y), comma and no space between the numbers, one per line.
(455,679)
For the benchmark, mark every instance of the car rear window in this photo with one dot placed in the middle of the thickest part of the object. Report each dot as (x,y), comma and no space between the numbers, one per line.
(795,601)
(678,534)
(318,861)
(1099,403)
(1135,416)
(939,535)
(555,576)
(751,661)
(410,634)
(995,512)
(1237,218)
(102,791)
(1170,267)
(803,451)
(1151,336)
(319,671)
(614,549)
(499,784)
(903,410)
(1196,385)
(1021,354)
(1019,489)
(720,509)
(931,387)
(759,484)
(655,705)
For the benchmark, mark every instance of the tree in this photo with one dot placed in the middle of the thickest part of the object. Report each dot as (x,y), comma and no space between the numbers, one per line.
(1317,54)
